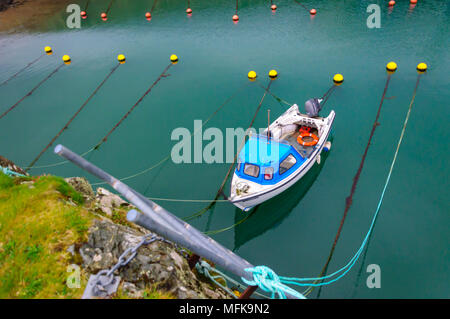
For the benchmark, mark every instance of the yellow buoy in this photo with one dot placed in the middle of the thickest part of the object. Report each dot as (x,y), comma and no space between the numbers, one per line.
(48,50)
(273,74)
(338,79)
(121,58)
(422,67)
(66,59)
(173,59)
(391,67)
(252,75)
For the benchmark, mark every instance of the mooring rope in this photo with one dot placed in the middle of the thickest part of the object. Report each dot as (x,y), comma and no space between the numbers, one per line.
(405,123)
(86,6)
(32,90)
(66,126)
(302,5)
(192,134)
(220,191)
(277,98)
(341,272)
(237,6)
(21,70)
(153,6)
(327,94)
(162,75)
(349,199)
(58,163)
(185,200)
(109,6)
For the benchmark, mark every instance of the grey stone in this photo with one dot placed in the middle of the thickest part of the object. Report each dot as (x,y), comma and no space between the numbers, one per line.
(82,186)
(157,264)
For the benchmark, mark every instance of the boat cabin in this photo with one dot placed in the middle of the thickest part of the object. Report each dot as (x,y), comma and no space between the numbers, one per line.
(267,161)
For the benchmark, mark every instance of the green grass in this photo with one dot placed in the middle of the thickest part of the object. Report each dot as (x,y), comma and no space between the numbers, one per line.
(37,225)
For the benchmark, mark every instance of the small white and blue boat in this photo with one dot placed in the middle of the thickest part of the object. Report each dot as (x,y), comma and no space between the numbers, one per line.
(270,163)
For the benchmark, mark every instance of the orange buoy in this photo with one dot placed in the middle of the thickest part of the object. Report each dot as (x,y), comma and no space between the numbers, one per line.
(413,1)
(83,14)
(391,3)
(104,16)
(188,10)
(273,7)
(235,17)
(148,15)
(303,134)
(313,11)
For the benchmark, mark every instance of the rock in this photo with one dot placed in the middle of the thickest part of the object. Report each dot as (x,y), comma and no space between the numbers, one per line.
(156,264)
(131,290)
(5,4)
(82,186)
(4,162)
(71,250)
(107,201)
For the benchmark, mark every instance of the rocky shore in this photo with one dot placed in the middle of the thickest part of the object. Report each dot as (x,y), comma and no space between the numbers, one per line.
(5,4)
(159,264)
(67,222)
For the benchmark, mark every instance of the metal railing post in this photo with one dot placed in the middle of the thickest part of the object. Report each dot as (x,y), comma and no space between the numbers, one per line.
(158,220)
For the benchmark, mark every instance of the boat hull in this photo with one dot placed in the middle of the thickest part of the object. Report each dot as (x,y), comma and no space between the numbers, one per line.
(247,202)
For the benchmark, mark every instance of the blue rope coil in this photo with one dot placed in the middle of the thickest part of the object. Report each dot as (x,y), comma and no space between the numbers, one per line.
(266,279)
(7,171)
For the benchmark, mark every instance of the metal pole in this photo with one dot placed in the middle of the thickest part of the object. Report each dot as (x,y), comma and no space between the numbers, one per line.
(163,223)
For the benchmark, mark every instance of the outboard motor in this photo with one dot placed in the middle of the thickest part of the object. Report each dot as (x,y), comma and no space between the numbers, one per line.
(312,107)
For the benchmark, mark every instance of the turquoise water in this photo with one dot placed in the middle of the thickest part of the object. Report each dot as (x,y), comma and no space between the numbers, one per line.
(292,233)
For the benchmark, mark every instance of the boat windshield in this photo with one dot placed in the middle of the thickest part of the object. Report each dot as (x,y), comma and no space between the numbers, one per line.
(251,170)
(287,163)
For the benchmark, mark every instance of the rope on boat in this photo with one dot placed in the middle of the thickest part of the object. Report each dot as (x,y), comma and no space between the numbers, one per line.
(162,75)
(66,126)
(192,134)
(31,91)
(220,191)
(21,70)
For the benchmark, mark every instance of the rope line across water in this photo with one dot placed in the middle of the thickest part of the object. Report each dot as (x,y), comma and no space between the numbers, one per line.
(66,126)
(31,91)
(21,70)
(192,134)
